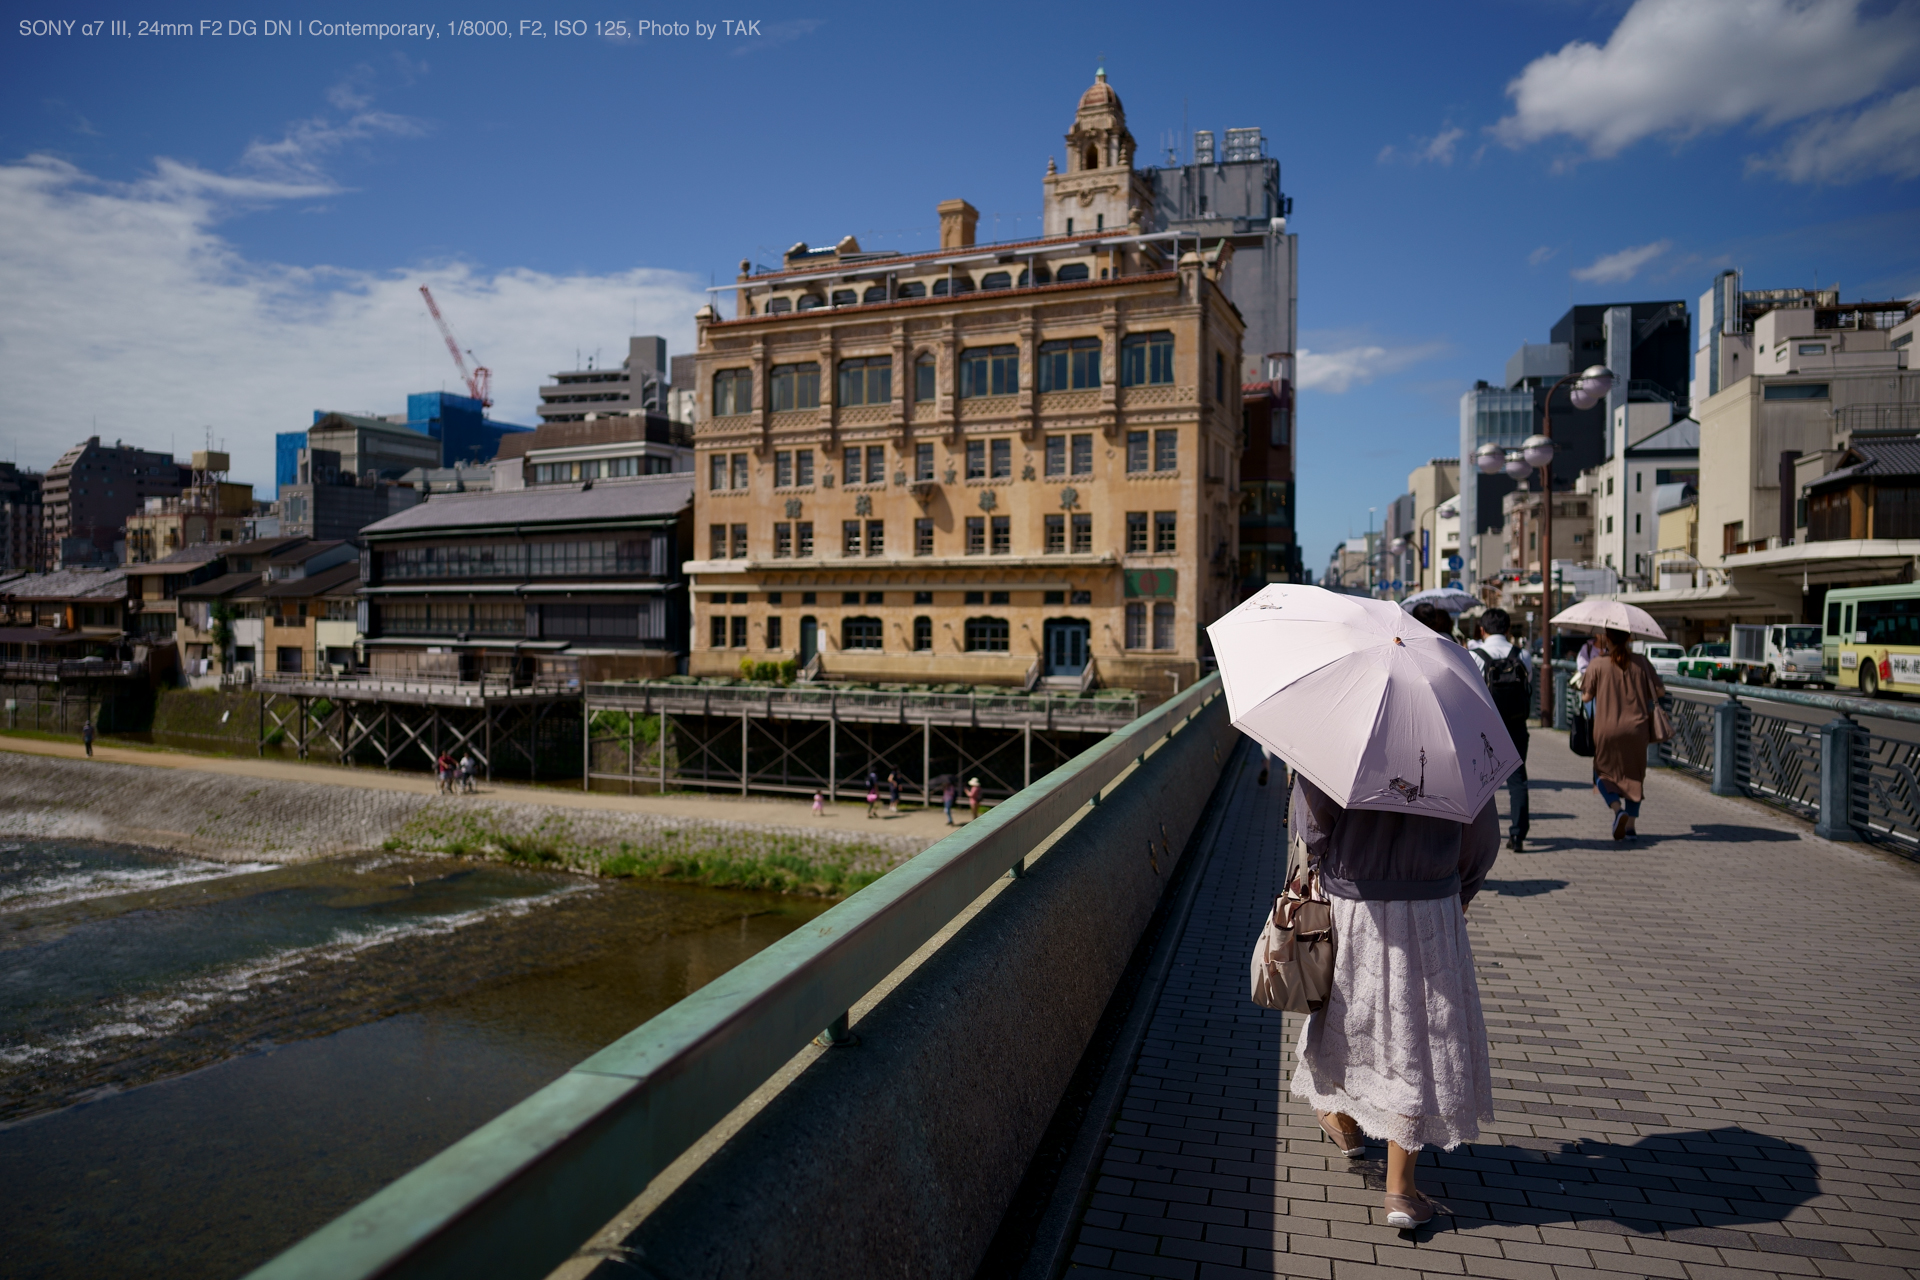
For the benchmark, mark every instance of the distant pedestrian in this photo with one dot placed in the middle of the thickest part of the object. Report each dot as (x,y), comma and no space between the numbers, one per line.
(1432,616)
(819,805)
(466,774)
(947,792)
(1509,676)
(86,737)
(873,798)
(443,772)
(1624,689)
(973,799)
(893,791)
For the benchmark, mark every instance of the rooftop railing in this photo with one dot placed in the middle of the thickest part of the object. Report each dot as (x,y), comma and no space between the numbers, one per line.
(520,1194)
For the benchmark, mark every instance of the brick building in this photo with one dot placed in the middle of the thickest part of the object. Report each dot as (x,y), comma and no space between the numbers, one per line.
(990,463)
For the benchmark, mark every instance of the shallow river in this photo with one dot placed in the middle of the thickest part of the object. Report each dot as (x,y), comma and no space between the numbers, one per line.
(201,1062)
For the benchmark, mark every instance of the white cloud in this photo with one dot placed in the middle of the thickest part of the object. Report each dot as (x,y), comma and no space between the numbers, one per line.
(1541,255)
(1677,68)
(1884,138)
(1435,150)
(1615,268)
(127,308)
(1338,371)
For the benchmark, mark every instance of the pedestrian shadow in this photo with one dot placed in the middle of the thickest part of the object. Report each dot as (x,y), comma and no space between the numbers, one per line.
(1522,888)
(1557,784)
(1696,1187)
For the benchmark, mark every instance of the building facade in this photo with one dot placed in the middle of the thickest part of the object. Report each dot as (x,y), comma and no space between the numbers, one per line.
(639,384)
(1269,548)
(22,519)
(209,509)
(607,448)
(89,493)
(989,463)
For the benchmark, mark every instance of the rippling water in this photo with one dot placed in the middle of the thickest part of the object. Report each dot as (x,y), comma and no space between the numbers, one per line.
(201,1062)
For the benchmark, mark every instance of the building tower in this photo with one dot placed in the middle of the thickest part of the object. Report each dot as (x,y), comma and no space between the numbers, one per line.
(1100,190)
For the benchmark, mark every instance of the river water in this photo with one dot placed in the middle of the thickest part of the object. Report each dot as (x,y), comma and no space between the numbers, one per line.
(202,1062)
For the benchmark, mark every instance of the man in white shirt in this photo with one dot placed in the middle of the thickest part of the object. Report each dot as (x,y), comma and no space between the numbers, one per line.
(1509,675)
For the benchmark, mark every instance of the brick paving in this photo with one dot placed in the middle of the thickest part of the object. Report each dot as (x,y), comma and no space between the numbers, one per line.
(1705,1066)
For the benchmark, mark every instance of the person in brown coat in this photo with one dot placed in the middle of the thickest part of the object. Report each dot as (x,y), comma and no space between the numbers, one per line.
(1624,688)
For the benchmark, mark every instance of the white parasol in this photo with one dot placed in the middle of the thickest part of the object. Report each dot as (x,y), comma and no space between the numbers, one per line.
(1610,615)
(1452,599)
(1377,710)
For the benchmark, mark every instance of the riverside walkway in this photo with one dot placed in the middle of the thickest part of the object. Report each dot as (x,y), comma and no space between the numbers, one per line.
(1706,1059)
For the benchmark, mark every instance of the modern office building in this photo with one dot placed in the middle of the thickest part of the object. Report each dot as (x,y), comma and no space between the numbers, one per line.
(439,429)
(329,501)
(989,463)
(606,449)
(88,494)
(638,384)
(22,535)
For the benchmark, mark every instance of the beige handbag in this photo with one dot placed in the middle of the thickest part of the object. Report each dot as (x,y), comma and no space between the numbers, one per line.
(1293,959)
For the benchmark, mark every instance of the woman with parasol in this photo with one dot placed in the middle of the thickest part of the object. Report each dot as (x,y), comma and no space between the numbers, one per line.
(1623,689)
(1397,750)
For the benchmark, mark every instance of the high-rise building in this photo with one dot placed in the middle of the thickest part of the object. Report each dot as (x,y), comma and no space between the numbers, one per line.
(639,383)
(439,429)
(21,517)
(89,493)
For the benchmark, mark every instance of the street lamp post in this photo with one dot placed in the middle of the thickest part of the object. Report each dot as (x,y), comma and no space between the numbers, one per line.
(1590,386)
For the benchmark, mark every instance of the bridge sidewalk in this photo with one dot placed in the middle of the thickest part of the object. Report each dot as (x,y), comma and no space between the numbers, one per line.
(1705,1065)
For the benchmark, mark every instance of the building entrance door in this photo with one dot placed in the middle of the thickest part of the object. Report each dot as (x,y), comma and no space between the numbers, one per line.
(809,639)
(1066,646)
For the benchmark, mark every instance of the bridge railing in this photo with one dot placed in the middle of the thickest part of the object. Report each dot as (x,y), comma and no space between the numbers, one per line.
(1851,782)
(517,1196)
(907,706)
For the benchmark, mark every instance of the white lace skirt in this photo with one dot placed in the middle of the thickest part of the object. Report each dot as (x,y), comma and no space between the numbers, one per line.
(1401,1045)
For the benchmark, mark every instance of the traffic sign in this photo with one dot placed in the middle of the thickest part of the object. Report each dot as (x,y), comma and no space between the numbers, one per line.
(1455,563)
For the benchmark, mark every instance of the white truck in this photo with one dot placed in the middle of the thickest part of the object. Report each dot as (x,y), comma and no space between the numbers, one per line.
(1779,653)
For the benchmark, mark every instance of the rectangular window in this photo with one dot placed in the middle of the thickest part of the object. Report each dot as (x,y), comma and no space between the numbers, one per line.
(1166,449)
(922,634)
(794,386)
(739,542)
(782,469)
(740,464)
(923,537)
(876,537)
(1636,522)
(923,379)
(1136,625)
(849,537)
(1137,459)
(1163,625)
(868,381)
(989,371)
(1082,533)
(1073,365)
(1056,535)
(1001,465)
(717,471)
(732,392)
(717,632)
(976,459)
(1796,391)
(876,464)
(855,467)
(1163,532)
(987,635)
(976,535)
(1220,394)
(773,633)
(803,467)
(782,541)
(1002,535)
(1136,532)
(923,463)
(1146,359)
(1083,455)
(717,542)
(803,540)
(1056,455)
(860,633)
(739,633)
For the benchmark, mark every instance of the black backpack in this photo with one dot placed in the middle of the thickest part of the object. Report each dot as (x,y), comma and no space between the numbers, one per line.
(1507,682)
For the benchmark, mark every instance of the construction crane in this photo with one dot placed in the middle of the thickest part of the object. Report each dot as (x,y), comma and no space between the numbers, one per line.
(480,381)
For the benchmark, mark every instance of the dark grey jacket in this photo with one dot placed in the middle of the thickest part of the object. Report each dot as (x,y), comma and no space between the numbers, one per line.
(1376,856)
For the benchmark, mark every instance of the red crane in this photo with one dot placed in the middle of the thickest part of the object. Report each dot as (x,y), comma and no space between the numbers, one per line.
(480,381)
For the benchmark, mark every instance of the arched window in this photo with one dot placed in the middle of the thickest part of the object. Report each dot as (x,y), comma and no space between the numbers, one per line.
(779,306)
(863,633)
(996,280)
(794,386)
(911,289)
(875,293)
(1072,271)
(923,378)
(844,297)
(1146,359)
(732,392)
(809,301)
(941,288)
(1069,366)
(1040,276)
(1093,157)
(987,635)
(866,381)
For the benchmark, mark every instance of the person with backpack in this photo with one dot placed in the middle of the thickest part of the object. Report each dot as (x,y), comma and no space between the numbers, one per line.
(1509,676)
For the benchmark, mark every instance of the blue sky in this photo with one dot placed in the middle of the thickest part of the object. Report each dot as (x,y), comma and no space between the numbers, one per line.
(217,234)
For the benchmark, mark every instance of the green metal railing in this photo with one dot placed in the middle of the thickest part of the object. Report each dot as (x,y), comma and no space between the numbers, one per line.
(520,1194)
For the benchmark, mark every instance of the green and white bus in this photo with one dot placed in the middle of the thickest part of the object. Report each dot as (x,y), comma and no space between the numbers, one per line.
(1872,640)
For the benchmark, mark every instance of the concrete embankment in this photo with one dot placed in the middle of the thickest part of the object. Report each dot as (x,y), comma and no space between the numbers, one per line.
(225,817)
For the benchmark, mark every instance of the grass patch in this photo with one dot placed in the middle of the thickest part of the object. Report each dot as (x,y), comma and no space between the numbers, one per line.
(714,857)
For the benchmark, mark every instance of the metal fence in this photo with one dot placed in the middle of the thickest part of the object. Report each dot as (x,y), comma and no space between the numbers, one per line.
(518,1195)
(1851,782)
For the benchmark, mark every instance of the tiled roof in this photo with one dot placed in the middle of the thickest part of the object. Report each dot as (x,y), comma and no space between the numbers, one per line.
(302,554)
(1681,433)
(650,496)
(185,558)
(68,584)
(325,582)
(1875,460)
(227,584)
